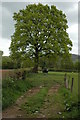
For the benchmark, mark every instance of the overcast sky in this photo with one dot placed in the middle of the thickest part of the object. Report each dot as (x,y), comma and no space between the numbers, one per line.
(7,25)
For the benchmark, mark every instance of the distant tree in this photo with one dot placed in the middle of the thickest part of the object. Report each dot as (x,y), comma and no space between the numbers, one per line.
(66,62)
(27,63)
(7,62)
(77,65)
(40,30)
(1,53)
(50,61)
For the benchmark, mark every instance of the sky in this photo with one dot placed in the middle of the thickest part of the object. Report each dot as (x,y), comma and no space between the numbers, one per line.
(7,24)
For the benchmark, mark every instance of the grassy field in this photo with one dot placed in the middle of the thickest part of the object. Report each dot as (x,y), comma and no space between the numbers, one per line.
(54,77)
(65,102)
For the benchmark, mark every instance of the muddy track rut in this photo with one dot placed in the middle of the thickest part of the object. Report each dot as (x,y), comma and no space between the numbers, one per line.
(15,111)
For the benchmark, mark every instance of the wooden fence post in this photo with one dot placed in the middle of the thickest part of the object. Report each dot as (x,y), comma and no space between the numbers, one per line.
(65,76)
(72,84)
(68,81)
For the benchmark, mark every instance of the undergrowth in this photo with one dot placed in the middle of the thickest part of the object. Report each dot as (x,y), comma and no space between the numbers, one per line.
(70,104)
(12,89)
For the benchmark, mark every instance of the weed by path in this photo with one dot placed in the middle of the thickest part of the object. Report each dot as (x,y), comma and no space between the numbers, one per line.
(12,89)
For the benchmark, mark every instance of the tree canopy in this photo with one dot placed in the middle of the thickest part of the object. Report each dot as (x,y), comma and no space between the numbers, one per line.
(40,30)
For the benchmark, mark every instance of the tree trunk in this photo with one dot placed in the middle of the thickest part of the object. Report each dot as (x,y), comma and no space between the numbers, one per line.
(36,61)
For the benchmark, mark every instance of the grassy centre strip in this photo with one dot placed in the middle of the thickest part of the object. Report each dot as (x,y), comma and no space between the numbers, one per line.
(35,102)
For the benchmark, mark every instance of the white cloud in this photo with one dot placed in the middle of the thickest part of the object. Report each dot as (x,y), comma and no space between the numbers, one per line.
(4,46)
(75,50)
(40,0)
(73,29)
(73,34)
(6,12)
(74,8)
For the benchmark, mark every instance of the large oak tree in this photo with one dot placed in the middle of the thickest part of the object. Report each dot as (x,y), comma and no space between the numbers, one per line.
(40,30)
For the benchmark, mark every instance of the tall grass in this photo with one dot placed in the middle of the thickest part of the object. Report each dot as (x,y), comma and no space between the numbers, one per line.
(12,89)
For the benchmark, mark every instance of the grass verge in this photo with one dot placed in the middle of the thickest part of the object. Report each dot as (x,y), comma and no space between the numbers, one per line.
(12,89)
(68,103)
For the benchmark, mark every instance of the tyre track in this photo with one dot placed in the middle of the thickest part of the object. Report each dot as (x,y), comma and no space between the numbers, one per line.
(15,111)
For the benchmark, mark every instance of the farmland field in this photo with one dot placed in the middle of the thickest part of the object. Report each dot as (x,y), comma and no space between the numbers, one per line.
(41,95)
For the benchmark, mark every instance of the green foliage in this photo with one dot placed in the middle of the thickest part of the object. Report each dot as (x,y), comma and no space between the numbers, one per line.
(27,63)
(7,63)
(67,103)
(34,103)
(70,103)
(1,53)
(40,30)
(50,61)
(57,63)
(66,62)
(12,89)
(77,65)
(20,74)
